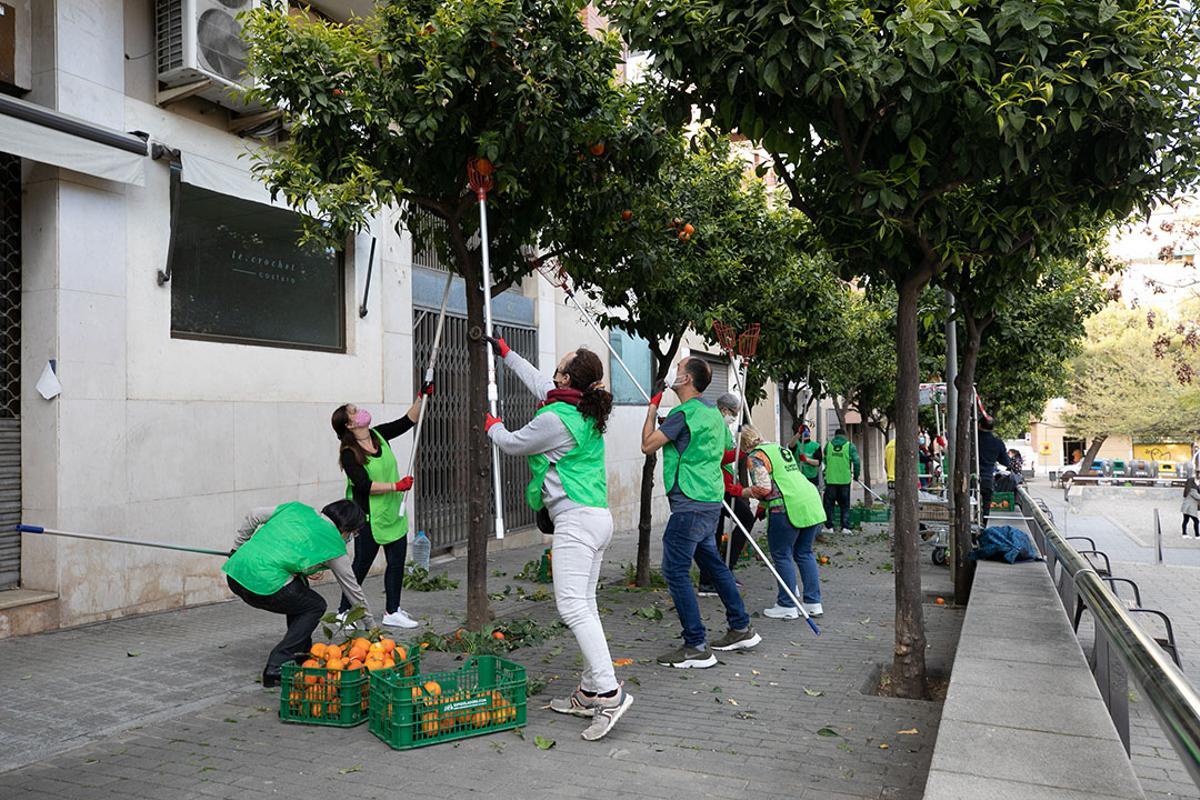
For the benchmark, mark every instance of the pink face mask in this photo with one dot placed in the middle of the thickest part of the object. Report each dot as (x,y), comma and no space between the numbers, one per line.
(363,418)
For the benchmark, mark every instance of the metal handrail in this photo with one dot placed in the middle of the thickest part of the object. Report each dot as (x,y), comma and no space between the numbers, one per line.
(1175,701)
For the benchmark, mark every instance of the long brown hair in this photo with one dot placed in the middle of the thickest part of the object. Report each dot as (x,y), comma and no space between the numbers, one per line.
(586,370)
(339,421)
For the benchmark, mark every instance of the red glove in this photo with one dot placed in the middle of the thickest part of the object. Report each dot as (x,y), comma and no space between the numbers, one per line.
(735,490)
(501,346)
(489,420)
(656,400)
(404,484)
(761,513)
(426,388)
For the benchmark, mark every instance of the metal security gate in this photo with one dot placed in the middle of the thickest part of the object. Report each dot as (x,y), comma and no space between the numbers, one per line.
(10,369)
(441,479)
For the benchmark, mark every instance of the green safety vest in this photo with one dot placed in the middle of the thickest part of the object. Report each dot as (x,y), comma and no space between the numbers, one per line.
(837,463)
(296,540)
(387,525)
(697,470)
(801,499)
(582,471)
(809,448)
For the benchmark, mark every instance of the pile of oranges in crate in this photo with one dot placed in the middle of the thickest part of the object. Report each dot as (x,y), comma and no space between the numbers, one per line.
(445,713)
(316,687)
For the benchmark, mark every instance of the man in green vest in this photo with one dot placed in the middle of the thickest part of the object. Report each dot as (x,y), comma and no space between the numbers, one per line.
(275,553)
(794,517)
(694,439)
(841,467)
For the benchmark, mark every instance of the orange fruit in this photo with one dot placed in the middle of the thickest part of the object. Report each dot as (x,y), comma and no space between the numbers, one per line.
(497,634)
(335,665)
(361,641)
(317,650)
(433,688)
(408,670)
(401,654)
(333,652)
(429,723)
(941,601)
(484,167)
(388,645)
(388,663)
(626,215)
(597,149)
(416,693)
(374,664)
(424,645)
(688,229)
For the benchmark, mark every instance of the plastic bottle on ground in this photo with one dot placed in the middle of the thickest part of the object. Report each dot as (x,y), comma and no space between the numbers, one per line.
(420,550)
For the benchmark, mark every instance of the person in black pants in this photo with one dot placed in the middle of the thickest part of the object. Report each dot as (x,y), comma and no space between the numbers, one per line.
(276,551)
(991,452)
(374,483)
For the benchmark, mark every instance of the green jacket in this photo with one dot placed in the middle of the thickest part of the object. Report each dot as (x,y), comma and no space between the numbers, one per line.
(841,461)
(296,540)
(801,501)
(581,471)
(697,469)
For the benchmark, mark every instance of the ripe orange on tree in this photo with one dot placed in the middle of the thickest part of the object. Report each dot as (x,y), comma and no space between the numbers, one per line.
(597,149)
(484,167)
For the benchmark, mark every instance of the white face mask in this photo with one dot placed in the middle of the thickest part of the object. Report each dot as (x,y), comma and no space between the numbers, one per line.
(730,418)
(672,376)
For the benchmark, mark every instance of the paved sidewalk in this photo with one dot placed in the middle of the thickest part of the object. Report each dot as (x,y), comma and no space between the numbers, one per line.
(1123,528)
(744,728)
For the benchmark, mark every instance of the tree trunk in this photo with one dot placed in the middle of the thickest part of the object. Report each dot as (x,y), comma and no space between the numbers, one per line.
(479,461)
(840,410)
(964,465)
(645,518)
(865,456)
(662,365)
(1085,466)
(908,663)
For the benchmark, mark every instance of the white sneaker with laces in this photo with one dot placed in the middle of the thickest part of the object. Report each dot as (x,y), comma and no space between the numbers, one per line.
(399,619)
(781,612)
(814,609)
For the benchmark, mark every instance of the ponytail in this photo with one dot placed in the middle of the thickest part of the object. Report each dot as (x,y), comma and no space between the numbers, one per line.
(586,372)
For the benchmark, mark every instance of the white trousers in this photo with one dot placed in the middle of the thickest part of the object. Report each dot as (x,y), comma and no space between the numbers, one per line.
(581,535)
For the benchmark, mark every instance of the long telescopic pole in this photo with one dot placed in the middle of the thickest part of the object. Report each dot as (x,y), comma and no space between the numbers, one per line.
(118,540)
(787,589)
(481,183)
(433,356)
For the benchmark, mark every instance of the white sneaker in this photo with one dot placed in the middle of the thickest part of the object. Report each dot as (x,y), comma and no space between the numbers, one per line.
(781,612)
(399,619)
(814,609)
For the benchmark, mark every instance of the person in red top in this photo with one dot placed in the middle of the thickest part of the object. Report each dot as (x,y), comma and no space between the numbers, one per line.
(727,404)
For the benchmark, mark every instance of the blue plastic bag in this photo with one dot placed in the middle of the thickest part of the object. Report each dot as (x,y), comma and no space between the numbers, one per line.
(1005,543)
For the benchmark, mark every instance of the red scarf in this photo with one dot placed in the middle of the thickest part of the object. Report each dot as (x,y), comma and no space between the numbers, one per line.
(568,395)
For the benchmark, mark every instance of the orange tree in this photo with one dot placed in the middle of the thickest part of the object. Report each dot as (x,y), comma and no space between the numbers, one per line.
(671,251)
(914,136)
(388,111)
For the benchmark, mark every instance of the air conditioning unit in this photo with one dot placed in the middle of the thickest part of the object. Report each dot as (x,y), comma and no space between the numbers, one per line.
(200,45)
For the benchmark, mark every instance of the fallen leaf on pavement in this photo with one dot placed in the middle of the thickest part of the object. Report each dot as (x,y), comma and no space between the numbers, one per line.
(812,692)
(909,732)
(543,743)
(622,662)
(827,732)
(883,746)
(348,770)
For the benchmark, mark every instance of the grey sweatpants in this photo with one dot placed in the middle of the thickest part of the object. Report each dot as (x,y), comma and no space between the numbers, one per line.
(581,535)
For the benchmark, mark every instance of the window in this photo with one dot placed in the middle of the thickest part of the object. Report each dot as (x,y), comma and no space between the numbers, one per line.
(239,274)
(635,352)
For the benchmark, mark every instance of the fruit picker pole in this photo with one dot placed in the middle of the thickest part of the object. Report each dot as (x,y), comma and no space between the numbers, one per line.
(428,379)
(735,346)
(482,184)
(118,540)
(728,508)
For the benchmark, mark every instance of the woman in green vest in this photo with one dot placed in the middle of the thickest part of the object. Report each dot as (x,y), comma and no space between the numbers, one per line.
(373,482)
(565,445)
(275,552)
(795,515)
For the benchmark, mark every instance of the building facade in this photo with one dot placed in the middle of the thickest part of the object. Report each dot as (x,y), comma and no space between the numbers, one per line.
(196,349)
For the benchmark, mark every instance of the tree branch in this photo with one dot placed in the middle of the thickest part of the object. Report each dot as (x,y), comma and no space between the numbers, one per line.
(839,118)
(790,181)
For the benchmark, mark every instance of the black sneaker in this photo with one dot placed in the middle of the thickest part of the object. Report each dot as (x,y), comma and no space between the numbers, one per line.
(705,590)
(688,658)
(737,640)
(271,679)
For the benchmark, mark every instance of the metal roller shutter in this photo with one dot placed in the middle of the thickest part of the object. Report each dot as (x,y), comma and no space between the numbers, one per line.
(10,370)
(720,377)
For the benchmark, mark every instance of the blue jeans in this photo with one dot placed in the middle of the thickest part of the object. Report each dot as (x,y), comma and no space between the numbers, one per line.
(688,536)
(791,547)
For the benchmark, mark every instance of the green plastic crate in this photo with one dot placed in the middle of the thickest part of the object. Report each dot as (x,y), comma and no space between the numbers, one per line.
(485,695)
(309,696)
(875,514)
(855,516)
(1004,501)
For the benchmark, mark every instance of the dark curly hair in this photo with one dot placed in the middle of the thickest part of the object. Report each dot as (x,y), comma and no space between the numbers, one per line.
(586,370)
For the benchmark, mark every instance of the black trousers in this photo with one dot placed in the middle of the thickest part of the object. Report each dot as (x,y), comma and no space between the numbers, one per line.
(985,500)
(837,494)
(365,551)
(301,605)
(745,514)
(1195,524)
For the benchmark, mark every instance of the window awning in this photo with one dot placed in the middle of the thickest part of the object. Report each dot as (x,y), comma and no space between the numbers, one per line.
(44,135)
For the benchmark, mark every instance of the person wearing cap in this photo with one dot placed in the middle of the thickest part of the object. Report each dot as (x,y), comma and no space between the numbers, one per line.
(795,514)
(275,553)
(729,405)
